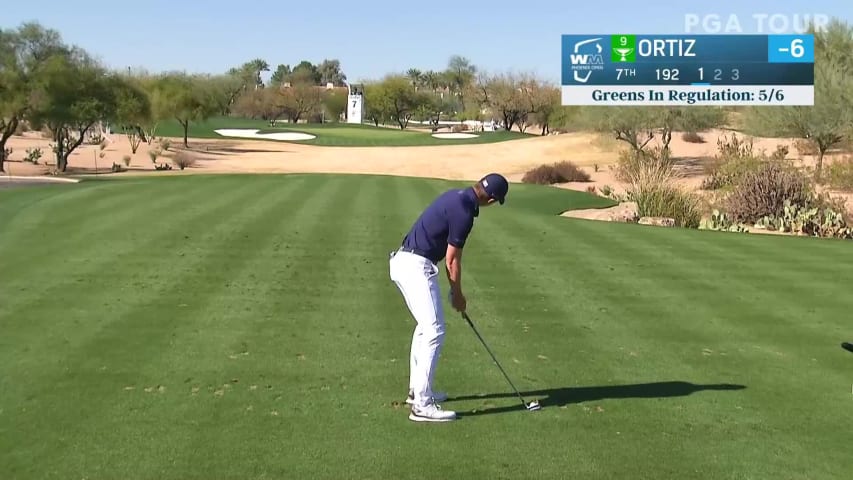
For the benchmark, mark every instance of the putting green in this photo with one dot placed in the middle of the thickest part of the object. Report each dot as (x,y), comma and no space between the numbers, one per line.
(330,134)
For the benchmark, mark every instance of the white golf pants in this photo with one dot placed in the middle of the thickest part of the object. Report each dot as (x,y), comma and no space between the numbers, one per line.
(417,279)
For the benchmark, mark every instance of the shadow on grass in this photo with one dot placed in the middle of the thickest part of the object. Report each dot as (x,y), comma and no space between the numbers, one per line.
(557,397)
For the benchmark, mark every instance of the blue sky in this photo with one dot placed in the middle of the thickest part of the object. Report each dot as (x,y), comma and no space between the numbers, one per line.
(371,38)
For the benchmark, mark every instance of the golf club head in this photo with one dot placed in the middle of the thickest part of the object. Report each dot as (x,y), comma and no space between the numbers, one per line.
(533,406)
(847,346)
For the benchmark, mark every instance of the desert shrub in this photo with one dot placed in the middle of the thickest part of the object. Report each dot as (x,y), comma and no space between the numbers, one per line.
(117,168)
(666,200)
(780,153)
(764,191)
(725,173)
(734,159)
(591,190)
(839,174)
(153,154)
(559,172)
(126,159)
(734,147)
(692,137)
(183,160)
(162,166)
(96,139)
(164,143)
(459,128)
(22,128)
(805,146)
(644,166)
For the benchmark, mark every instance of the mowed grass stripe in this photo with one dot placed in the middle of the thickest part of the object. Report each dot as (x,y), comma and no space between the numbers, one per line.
(88,283)
(640,366)
(116,341)
(700,365)
(326,351)
(225,320)
(711,277)
(29,208)
(612,339)
(709,297)
(96,225)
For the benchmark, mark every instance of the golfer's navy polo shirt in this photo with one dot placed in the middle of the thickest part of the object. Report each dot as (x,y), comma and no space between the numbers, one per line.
(448,220)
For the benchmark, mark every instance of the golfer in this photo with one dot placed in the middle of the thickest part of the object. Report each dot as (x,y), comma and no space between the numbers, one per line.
(439,233)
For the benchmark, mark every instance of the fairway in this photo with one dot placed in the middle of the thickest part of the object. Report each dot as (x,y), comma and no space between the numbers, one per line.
(333,134)
(242,326)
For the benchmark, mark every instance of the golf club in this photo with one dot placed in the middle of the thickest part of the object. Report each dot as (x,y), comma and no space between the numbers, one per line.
(847,346)
(532,406)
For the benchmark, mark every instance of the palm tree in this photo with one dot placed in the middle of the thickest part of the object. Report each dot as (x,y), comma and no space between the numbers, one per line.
(416,77)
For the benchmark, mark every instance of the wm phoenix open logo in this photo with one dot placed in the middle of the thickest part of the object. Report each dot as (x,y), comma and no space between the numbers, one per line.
(586,58)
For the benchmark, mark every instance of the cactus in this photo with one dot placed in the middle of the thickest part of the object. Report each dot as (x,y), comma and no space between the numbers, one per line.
(812,221)
(720,221)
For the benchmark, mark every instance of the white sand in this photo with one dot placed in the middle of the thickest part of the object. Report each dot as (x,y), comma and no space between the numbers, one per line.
(453,136)
(251,133)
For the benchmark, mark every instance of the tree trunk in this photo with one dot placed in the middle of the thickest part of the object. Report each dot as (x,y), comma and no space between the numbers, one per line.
(2,154)
(7,132)
(141,133)
(821,150)
(186,126)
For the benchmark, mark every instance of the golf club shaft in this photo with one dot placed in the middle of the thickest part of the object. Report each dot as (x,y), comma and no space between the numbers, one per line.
(467,319)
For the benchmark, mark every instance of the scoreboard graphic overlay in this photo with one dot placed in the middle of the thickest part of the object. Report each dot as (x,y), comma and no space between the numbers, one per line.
(686,70)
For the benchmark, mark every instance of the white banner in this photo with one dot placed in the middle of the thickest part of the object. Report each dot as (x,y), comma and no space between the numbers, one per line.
(687,95)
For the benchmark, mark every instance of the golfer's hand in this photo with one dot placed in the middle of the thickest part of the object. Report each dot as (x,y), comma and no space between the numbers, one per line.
(458,301)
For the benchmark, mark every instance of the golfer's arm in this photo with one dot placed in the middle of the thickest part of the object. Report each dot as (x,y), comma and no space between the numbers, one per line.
(453,261)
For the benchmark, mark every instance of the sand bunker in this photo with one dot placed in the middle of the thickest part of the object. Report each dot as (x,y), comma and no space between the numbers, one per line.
(250,133)
(454,136)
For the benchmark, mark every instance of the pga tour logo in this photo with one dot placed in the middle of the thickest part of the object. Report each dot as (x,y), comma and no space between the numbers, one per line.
(586,57)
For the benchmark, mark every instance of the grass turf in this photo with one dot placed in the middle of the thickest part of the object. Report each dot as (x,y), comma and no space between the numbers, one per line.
(333,134)
(201,327)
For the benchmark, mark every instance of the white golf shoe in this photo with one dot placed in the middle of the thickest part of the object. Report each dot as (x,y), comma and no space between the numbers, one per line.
(437,396)
(431,412)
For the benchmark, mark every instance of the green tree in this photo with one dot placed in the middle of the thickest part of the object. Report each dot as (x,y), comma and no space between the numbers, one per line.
(133,110)
(72,94)
(153,88)
(401,99)
(187,98)
(305,71)
(829,121)
(282,72)
(547,101)
(330,72)
(376,102)
(335,104)
(507,96)
(302,98)
(639,126)
(23,53)
(460,74)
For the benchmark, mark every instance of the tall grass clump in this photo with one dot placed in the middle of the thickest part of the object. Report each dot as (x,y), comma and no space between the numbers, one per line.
(839,174)
(649,174)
